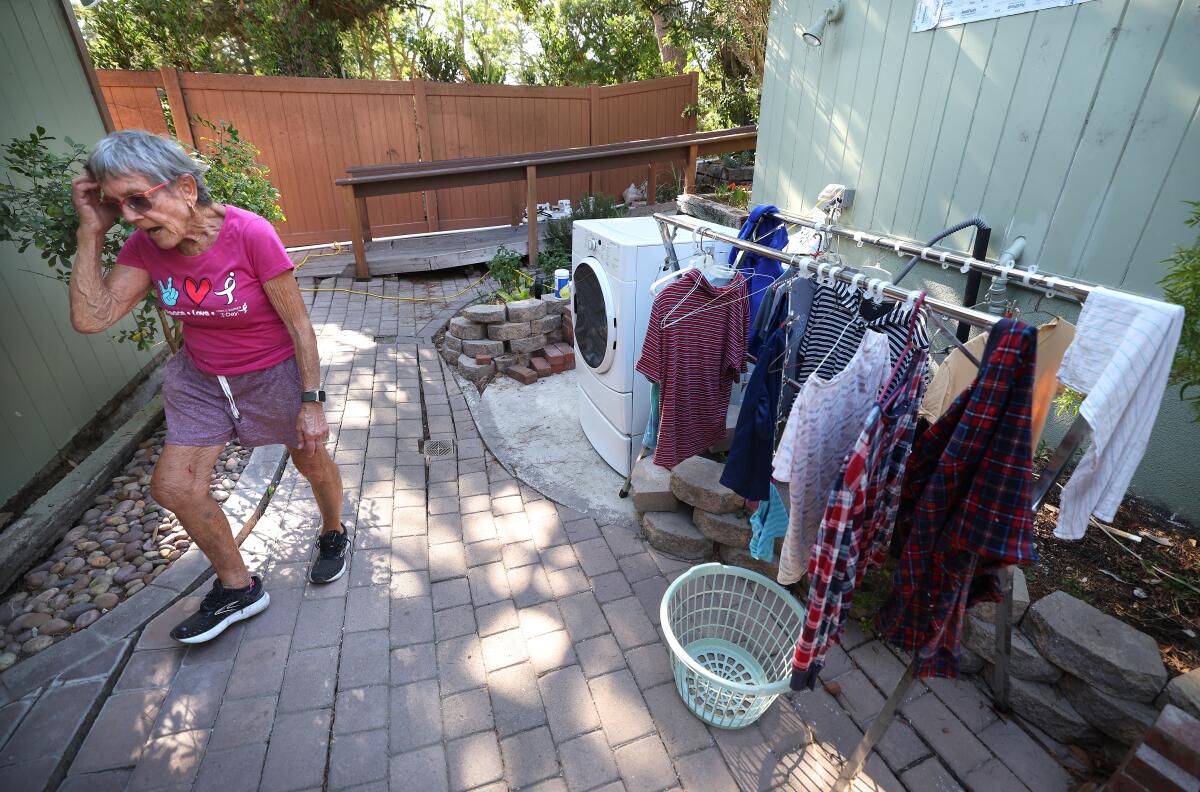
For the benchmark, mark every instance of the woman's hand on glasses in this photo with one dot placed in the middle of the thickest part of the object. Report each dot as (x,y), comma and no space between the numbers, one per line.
(95,215)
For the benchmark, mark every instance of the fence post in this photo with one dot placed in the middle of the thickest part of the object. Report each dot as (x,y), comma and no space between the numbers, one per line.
(689,169)
(426,146)
(531,201)
(178,104)
(593,129)
(694,118)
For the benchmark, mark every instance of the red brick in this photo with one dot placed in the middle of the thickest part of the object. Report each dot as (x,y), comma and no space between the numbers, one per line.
(522,375)
(568,329)
(554,356)
(1176,735)
(557,368)
(483,360)
(541,366)
(1154,771)
(568,355)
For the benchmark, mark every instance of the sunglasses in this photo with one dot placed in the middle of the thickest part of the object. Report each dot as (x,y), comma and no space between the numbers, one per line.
(138,202)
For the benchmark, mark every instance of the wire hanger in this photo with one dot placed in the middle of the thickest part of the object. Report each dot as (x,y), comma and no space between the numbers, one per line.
(937,320)
(697,252)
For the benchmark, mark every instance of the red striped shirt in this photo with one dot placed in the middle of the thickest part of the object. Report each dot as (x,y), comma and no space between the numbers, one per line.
(695,349)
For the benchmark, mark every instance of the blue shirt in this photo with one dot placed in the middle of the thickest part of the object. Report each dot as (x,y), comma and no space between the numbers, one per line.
(748,469)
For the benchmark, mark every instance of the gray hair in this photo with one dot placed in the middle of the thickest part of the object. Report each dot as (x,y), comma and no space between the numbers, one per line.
(136,151)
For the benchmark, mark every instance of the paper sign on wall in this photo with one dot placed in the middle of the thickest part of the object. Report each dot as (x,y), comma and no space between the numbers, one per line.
(947,13)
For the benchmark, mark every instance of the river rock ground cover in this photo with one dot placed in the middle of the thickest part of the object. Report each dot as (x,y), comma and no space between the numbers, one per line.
(115,548)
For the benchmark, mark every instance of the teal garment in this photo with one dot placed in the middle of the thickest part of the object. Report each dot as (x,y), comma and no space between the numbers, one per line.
(767,524)
(650,438)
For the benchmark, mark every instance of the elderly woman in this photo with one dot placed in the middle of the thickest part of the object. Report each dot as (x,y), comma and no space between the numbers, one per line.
(249,367)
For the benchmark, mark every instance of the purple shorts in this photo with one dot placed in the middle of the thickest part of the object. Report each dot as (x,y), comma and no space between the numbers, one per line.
(200,414)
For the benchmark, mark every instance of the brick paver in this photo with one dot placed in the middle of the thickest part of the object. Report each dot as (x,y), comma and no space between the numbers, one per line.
(484,638)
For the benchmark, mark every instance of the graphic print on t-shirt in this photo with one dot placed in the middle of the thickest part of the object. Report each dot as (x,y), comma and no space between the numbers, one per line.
(197,291)
(168,293)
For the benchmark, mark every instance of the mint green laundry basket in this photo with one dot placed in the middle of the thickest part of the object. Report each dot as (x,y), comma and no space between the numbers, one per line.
(731,633)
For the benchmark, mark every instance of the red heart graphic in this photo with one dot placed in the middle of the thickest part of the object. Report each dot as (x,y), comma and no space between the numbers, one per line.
(196,292)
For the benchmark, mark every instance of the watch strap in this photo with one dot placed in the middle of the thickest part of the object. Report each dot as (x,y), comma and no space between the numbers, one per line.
(312,396)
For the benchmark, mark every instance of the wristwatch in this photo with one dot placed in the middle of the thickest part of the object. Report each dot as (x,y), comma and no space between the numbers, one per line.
(313,396)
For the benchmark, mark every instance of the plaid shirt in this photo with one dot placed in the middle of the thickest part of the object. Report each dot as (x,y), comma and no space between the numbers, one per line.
(857,523)
(968,497)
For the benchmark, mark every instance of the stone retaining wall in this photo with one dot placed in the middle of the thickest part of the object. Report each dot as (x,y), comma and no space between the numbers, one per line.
(1082,676)
(522,338)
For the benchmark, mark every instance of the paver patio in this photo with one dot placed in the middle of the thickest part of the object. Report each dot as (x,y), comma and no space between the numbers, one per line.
(484,637)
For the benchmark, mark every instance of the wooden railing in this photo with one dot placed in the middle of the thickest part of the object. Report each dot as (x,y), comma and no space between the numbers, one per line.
(374,181)
(311,130)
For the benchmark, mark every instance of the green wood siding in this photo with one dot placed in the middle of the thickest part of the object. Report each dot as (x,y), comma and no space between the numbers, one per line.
(53,379)
(1074,127)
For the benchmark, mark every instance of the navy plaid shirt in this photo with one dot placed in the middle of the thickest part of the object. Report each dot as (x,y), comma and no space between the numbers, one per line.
(967,502)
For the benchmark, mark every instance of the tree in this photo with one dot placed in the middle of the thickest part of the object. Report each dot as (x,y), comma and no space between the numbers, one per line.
(285,37)
(594,41)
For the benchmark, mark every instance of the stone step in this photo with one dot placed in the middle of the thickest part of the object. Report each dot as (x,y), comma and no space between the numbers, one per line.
(651,487)
(725,529)
(674,534)
(697,482)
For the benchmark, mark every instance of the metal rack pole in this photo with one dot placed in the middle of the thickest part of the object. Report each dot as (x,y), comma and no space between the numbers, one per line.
(956,312)
(971,294)
(1050,282)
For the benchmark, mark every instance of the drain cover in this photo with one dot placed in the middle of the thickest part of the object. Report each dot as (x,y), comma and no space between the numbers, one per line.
(435,449)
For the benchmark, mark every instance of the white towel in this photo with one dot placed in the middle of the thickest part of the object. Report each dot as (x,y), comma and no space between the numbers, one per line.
(1121,358)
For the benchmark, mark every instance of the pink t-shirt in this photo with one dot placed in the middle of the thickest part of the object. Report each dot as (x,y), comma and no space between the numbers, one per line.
(229,325)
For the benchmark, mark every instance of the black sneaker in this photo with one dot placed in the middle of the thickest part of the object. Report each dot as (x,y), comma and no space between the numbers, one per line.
(222,607)
(332,547)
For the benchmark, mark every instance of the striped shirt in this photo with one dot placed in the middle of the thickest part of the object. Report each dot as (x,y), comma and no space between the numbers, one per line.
(835,329)
(695,349)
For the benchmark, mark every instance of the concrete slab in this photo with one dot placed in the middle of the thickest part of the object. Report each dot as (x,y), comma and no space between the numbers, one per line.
(534,431)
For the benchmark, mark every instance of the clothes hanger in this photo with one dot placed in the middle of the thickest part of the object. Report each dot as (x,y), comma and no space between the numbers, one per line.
(937,320)
(710,268)
(657,285)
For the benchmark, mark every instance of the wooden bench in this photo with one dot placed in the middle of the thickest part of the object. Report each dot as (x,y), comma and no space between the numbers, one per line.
(367,181)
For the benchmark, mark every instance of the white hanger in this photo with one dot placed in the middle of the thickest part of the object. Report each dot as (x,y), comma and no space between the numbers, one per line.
(657,285)
(711,269)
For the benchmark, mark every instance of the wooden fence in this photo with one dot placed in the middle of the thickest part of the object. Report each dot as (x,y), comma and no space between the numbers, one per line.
(311,130)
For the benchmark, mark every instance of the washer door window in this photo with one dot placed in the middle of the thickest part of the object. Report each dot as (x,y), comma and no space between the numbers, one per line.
(595,320)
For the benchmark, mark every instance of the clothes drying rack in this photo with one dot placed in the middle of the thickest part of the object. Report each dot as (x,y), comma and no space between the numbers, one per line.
(1052,285)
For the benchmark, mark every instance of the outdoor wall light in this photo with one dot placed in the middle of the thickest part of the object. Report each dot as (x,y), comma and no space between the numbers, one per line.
(816,31)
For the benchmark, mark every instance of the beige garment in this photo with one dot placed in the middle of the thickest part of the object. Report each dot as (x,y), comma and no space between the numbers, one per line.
(956,373)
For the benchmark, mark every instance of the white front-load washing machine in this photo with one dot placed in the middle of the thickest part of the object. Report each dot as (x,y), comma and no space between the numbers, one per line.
(613,263)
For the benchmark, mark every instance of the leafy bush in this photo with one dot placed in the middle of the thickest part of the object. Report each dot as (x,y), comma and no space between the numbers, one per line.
(738,159)
(37,211)
(556,253)
(669,190)
(235,176)
(733,194)
(505,269)
(1181,285)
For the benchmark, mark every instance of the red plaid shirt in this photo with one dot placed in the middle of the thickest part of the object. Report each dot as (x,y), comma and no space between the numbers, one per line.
(968,497)
(857,523)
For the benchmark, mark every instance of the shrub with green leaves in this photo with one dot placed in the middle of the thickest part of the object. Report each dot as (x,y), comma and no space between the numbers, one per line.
(36,209)
(505,270)
(556,252)
(1181,285)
